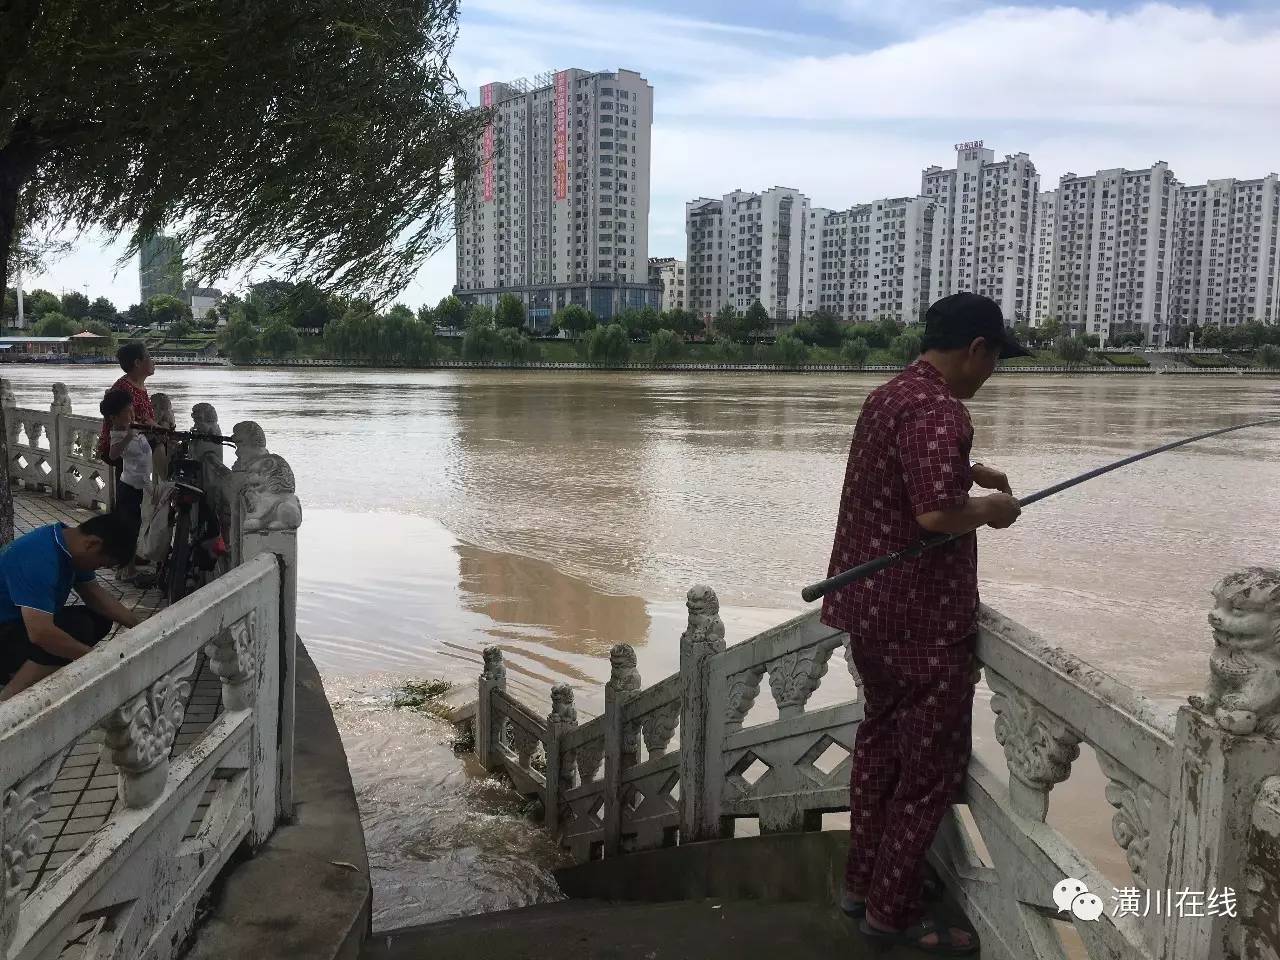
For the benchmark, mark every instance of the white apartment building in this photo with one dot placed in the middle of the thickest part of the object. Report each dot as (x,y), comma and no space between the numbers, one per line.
(558,211)
(1046,236)
(669,275)
(746,247)
(983,231)
(1227,253)
(872,260)
(1113,257)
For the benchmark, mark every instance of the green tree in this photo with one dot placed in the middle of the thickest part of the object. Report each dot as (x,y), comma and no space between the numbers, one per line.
(1049,330)
(75,305)
(872,333)
(136,316)
(55,324)
(480,342)
(103,311)
(575,319)
(164,310)
(39,302)
(727,324)
(1072,351)
(481,315)
(1128,339)
(293,117)
(514,347)
(308,307)
(684,322)
(180,329)
(609,345)
(790,351)
(1091,340)
(889,330)
(426,316)
(856,352)
(421,348)
(510,313)
(755,322)
(279,339)
(451,313)
(905,346)
(1267,356)
(827,331)
(239,340)
(727,351)
(665,346)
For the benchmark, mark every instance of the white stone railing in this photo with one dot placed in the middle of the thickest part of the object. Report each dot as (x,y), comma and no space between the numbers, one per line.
(54,450)
(136,877)
(1196,789)
(131,888)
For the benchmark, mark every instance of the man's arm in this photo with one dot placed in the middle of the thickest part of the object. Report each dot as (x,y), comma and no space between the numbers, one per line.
(118,446)
(997,510)
(100,601)
(48,636)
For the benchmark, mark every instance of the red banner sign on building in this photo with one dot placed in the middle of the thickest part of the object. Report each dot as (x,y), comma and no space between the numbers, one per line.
(486,100)
(562,135)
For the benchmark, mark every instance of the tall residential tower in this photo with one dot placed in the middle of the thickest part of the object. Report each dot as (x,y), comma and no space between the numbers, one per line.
(558,211)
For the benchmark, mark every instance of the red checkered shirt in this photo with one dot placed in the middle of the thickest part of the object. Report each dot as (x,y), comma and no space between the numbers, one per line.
(910,455)
(142,412)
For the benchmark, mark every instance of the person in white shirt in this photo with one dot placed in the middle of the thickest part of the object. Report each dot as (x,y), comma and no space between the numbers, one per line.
(134,451)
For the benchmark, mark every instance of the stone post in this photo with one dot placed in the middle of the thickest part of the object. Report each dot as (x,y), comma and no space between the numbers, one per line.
(1229,744)
(266,515)
(560,763)
(493,677)
(621,745)
(702,718)
(60,435)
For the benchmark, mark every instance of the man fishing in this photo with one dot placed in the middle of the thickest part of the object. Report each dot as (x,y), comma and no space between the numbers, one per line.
(912,627)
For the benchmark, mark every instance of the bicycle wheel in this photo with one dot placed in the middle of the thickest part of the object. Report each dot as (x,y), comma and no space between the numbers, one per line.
(179,558)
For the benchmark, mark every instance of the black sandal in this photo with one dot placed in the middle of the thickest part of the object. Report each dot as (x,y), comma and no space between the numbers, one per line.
(911,937)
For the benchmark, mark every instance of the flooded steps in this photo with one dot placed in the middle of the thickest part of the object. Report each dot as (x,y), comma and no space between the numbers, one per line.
(599,930)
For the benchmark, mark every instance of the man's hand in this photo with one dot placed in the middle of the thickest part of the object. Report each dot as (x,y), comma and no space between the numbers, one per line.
(990,479)
(1000,510)
(98,600)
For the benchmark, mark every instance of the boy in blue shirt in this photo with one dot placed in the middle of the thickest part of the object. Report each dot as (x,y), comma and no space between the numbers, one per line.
(38,631)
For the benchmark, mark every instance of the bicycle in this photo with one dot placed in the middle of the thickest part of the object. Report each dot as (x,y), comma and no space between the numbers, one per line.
(197,540)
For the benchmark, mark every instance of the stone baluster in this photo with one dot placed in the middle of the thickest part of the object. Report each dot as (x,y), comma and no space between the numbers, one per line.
(489,733)
(702,721)
(7,399)
(621,740)
(1038,746)
(233,656)
(140,736)
(560,763)
(795,676)
(21,809)
(61,437)
(265,516)
(1228,741)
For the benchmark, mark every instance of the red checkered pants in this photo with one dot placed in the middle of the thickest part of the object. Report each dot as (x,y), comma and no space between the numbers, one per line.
(909,764)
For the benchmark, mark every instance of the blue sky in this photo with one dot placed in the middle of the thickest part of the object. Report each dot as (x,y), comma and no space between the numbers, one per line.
(848,100)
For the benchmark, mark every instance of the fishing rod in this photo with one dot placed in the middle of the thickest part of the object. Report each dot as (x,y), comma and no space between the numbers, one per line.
(910,552)
(182,434)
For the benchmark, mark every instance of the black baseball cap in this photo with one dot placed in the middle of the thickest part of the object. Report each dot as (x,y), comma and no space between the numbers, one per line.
(956,321)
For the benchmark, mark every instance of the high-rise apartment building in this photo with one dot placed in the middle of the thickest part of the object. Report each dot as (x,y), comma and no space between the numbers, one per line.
(668,275)
(983,230)
(746,247)
(1227,253)
(1046,236)
(159,268)
(872,260)
(558,211)
(1113,256)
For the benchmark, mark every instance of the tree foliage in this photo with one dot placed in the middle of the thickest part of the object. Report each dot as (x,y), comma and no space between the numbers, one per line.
(279,339)
(165,310)
(665,346)
(75,305)
(103,311)
(575,319)
(790,351)
(510,312)
(755,322)
(856,352)
(451,313)
(180,329)
(608,345)
(684,322)
(239,340)
(820,330)
(55,324)
(1267,356)
(39,302)
(906,346)
(1072,350)
(398,337)
(726,322)
(293,117)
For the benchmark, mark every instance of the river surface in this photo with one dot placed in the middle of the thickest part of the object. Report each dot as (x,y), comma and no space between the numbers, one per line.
(557,514)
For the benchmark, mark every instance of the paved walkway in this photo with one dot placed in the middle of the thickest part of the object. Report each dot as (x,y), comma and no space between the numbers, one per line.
(84,794)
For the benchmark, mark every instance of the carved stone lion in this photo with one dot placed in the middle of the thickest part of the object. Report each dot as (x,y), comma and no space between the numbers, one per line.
(1244,668)
(268,491)
(205,419)
(163,405)
(61,406)
(6,393)
(705,625)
